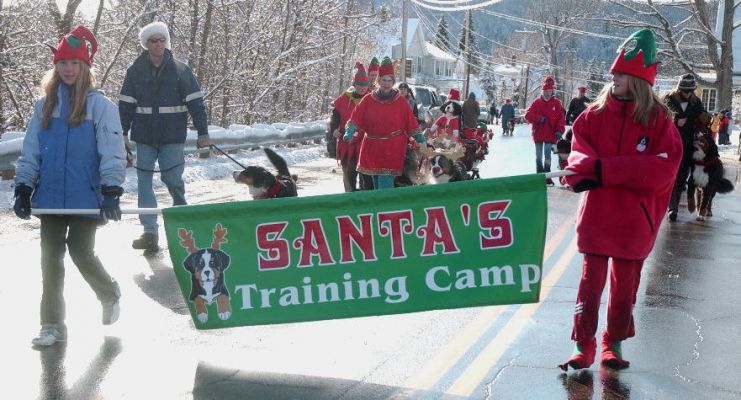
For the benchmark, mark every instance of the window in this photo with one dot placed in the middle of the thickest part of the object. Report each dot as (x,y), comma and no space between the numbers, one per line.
(438,68)
(709,99)
(418,64)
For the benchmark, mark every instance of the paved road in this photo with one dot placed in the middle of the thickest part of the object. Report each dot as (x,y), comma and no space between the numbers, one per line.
(687,316)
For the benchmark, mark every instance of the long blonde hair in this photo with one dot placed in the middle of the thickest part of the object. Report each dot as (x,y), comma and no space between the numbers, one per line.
(647,102)
(49,84)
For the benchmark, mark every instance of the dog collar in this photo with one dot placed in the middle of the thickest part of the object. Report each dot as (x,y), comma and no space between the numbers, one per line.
(273,191)
(707,163)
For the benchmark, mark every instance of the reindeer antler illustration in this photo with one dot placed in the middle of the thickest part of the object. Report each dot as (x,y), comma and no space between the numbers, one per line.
(187,240)
(219,237)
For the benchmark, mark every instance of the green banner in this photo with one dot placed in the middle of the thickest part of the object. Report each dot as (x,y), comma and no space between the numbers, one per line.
(453,245)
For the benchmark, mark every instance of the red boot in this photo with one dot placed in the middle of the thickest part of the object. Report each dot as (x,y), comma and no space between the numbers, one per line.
(612,355)
(583,355)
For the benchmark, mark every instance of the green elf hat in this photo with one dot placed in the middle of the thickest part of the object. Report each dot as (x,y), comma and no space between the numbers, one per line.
(387,68)
(361,78)
(640,61)
(373,67)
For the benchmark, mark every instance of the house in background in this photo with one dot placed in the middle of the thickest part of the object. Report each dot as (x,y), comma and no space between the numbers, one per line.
(431,65)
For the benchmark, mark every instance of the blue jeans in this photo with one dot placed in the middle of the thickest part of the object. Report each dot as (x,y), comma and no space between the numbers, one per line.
(543,156)
(171,164)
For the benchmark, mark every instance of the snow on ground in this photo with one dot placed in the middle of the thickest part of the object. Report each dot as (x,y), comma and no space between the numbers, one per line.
(198,169)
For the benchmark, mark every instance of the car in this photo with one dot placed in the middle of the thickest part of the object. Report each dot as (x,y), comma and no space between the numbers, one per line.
(484,116)
(428,103)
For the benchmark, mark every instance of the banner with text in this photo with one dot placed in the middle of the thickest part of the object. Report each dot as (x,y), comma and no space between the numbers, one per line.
(461,244)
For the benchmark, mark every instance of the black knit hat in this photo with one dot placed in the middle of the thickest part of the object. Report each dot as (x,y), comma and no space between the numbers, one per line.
(687,82)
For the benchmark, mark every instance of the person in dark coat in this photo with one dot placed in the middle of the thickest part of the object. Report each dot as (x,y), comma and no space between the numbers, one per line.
(156,97)
(577,105)
(691,118)
(493,113)
(507,113)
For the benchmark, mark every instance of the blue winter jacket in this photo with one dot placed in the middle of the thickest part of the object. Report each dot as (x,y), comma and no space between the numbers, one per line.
(154,102)
(67,165)
(507,112)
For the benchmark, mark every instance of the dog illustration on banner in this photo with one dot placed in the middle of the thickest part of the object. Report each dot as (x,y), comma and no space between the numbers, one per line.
(206,267)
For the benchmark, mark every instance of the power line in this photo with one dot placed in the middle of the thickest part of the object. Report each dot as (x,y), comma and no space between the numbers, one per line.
(453,5)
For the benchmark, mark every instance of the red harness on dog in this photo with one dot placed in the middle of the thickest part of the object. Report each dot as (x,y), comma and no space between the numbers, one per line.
(273,191)
(707,163)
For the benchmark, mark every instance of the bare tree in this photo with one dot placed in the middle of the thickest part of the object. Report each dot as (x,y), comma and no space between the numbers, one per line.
(557,18)
(689,39)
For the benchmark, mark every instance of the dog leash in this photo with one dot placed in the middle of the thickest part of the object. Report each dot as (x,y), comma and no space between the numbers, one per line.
(227,155)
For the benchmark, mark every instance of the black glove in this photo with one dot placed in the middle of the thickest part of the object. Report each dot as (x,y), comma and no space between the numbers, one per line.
(589,184)
(110,208)
(22,206)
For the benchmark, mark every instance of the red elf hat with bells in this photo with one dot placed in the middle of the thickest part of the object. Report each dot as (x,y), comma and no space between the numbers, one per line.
(75,45)
(361,78)
(548,83)
(387,68)
(639,61)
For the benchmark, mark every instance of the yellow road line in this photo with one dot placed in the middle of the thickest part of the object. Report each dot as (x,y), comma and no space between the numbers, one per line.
(473,375)
(458,346)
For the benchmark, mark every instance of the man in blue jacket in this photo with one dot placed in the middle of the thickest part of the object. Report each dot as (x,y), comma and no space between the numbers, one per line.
(157,95)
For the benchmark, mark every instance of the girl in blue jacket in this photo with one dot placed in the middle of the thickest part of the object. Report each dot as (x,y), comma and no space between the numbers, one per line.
(73,157)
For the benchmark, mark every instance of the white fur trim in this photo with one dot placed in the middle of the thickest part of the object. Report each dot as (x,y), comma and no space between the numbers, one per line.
(151,29)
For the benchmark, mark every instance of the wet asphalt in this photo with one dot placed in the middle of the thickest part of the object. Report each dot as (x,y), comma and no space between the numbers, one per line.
(686,346)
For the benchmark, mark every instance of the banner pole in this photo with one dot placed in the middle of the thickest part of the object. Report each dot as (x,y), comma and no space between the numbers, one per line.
(92,211)
(150,211)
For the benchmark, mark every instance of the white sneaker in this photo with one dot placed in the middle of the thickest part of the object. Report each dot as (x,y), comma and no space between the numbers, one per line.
(49,335)
(111,312)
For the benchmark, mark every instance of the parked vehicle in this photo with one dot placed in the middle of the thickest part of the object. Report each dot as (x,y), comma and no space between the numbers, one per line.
(428,103)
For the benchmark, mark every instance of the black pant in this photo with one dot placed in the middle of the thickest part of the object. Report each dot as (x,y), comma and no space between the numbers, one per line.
(77,234)
(685,172)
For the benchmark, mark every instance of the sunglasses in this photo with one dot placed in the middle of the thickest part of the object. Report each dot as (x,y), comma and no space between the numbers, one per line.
(155,41)
(688,90)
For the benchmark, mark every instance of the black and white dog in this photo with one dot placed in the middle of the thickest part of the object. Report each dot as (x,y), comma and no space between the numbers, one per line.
(708,175)
(445,169)
(263,184)
(207,267)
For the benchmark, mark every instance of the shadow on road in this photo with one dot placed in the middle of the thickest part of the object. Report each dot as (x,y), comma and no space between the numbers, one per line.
(162,286)
(213,382)
(53,372)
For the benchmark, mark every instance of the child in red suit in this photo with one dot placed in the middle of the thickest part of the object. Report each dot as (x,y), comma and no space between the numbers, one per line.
(625,154)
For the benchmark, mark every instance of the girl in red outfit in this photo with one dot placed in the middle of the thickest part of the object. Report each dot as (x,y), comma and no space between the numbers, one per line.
(625,154)
(388,122)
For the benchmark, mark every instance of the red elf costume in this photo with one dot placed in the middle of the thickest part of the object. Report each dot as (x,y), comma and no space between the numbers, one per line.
(388,122)
(627,172)
(450,122)
(347,152)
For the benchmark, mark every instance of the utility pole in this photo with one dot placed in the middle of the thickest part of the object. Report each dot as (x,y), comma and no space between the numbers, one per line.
(467,55)
(404,20)
(527,83)
(344,57)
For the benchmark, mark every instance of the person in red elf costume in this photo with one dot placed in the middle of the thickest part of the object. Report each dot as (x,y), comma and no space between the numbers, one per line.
(624,154)
(546,115)
(388,122)
(450,121)
(347,152)
(373,73)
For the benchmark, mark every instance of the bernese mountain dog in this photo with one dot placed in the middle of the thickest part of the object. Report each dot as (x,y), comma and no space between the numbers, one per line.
(265,185)
(708,175)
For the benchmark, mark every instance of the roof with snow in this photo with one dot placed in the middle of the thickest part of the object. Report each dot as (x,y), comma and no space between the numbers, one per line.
(438,53)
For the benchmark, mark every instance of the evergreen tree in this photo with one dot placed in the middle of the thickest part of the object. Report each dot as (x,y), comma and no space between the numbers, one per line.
(474,59)
(597,77)
(442,39)
(471,39)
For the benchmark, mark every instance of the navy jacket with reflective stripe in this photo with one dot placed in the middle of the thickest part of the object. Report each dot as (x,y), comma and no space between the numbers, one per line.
(155,107)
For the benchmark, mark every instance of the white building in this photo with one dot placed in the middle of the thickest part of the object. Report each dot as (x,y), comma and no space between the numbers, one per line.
(431,65)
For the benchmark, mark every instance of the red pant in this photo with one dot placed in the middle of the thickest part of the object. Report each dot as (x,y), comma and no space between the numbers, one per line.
(624,279)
